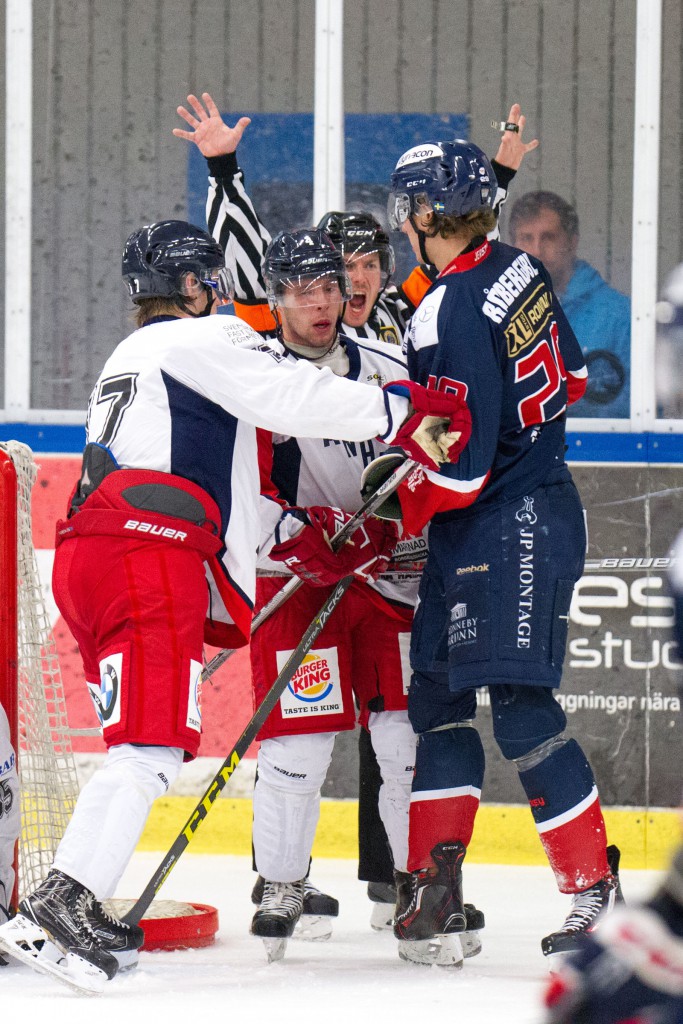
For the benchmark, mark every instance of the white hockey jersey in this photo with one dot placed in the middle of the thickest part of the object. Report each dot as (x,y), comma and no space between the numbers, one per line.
(324,471)
(184,396)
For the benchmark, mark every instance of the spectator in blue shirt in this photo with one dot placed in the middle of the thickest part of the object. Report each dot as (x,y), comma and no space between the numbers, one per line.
(547,226)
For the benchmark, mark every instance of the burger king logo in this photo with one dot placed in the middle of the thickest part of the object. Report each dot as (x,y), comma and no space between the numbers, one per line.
(312,681)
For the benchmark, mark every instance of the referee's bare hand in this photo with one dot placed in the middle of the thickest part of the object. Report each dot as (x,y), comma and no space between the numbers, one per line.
(210,133)
(513,149)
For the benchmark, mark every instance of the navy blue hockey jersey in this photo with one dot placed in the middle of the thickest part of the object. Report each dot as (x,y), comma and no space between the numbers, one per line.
(491,330)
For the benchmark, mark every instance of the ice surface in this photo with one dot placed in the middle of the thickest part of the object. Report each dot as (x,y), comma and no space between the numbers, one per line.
(354,977)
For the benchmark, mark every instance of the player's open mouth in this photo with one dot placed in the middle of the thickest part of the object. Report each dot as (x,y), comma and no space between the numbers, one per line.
(322,325)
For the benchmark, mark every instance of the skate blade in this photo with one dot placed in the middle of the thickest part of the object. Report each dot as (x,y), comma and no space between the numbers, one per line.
(313,928)
(382,917)
(442,950)
(471,944)
(275,949)
(127,959)
(558,961)
(31,945)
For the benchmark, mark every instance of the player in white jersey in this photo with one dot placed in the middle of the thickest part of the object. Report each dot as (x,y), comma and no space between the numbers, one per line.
(157,555)
(9,818)
(361,653)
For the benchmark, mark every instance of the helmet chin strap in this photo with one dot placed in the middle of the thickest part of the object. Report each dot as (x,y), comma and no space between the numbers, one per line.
(422,237)
(209,303)
(185,306)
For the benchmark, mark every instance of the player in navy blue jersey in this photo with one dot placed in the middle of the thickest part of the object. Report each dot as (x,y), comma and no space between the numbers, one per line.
(376,312)
(506,545)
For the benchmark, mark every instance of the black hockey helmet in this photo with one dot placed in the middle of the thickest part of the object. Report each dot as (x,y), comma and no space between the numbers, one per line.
(357,233)
(172,259)
(302,258)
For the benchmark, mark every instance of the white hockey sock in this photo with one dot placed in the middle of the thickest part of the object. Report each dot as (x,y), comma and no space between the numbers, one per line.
(394,743)
(111,813)
(291,770)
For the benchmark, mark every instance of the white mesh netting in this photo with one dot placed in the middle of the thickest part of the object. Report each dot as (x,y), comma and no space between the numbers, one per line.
(47,771)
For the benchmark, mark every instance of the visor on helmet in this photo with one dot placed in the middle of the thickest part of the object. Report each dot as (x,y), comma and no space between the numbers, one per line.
(400,205)
(219,279)
(313,290)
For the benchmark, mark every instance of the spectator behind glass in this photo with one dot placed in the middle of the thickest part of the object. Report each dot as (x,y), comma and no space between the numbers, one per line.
(545,225)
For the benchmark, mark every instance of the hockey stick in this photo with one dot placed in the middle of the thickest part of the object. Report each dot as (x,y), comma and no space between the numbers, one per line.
(342,535)
(271,698)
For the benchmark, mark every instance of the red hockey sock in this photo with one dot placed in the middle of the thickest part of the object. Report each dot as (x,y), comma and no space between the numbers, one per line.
(437,816)
(575,843)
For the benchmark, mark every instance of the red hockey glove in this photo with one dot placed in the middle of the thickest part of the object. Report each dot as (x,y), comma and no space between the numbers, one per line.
(437,427)
(309,555)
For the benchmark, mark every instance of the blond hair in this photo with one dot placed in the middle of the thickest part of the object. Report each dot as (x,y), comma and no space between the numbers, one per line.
(146,309)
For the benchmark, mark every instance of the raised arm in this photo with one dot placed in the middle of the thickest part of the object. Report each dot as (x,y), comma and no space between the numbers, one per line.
(230,214)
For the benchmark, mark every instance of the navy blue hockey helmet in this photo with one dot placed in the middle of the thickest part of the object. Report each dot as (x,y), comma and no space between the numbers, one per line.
(173,259)
(448,178)
(359,233)
(296,263)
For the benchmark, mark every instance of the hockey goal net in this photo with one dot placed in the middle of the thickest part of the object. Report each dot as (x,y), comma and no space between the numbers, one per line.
(31,689)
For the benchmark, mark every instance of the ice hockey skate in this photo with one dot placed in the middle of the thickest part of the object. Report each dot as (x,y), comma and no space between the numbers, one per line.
(52,933)
(588,908)
(278,913)
(315,923)
(430,914)
(384,898)
(117,937)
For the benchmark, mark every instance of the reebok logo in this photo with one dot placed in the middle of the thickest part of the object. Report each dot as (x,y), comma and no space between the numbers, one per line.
(154,529)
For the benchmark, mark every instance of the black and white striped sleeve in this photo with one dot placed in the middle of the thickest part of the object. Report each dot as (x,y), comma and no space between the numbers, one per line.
(504,176)
(233,222)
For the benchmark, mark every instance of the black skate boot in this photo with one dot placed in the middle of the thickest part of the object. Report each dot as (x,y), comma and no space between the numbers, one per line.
(588,907)
(315,923)
(470,940)
(280,909)
(117,937)
(430,914)
(383,897)
(52,934)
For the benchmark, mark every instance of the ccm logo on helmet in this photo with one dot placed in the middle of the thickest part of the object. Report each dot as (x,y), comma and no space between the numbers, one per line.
(154,529)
